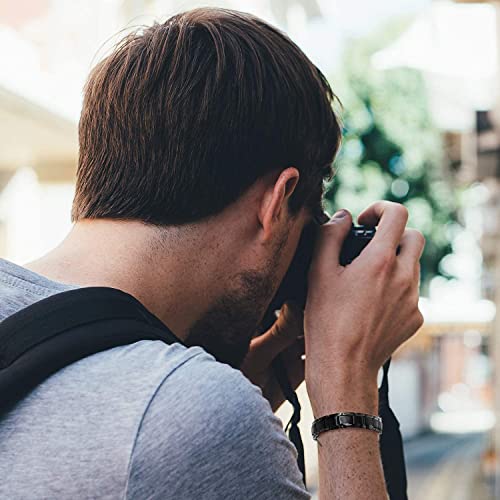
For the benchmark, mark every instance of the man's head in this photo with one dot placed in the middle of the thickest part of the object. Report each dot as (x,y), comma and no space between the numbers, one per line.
(212,111)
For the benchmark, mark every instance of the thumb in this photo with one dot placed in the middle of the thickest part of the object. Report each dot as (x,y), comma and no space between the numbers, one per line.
(288,326)
(331,237)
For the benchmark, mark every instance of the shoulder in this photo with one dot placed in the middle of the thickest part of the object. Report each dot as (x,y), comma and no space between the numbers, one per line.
(209,432)
(204,395)
(192,384)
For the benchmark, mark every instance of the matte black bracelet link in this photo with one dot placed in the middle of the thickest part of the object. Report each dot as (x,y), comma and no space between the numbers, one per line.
(344,421)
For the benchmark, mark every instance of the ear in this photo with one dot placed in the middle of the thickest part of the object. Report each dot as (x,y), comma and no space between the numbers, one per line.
(274,204)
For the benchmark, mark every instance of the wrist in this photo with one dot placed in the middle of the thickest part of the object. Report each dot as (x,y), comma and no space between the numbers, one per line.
(344,391)
(346,420)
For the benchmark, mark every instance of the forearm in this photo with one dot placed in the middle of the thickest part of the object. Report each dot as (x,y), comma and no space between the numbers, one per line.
(350,466)
(349,459)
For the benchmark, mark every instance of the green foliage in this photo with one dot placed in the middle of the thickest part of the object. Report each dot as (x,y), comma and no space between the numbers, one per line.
(391,150)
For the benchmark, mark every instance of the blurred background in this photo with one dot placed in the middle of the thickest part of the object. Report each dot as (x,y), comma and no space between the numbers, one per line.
(418,81)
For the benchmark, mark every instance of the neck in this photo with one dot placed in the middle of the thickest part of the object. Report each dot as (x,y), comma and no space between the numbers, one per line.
(169,270)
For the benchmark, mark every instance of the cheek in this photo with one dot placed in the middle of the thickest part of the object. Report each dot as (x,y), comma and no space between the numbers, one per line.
(284,256)
(290,247)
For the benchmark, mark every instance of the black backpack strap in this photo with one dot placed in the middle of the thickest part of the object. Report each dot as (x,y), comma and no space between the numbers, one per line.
(43,338)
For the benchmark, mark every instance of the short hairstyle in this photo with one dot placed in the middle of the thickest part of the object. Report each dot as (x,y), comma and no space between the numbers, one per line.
(184,116)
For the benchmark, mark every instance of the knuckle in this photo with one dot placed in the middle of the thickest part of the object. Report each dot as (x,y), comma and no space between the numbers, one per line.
(384,259)
(407,278)
(397,209)
(278,331)
(416,236)
(328,230)
(420,238)
(404,280)
(400,210)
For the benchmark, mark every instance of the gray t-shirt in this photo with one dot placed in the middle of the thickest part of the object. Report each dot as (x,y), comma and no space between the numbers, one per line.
(140,421)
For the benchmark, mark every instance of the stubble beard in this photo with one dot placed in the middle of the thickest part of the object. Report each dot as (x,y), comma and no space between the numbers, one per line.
(227,328)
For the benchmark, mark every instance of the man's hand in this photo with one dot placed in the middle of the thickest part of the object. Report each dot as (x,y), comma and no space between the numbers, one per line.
(355,318)
(285,338)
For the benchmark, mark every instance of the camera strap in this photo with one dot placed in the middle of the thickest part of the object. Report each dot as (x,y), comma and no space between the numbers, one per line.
(391,443)
(292,428)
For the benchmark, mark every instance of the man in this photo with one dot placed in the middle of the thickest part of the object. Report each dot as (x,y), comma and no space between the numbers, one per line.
(204,143)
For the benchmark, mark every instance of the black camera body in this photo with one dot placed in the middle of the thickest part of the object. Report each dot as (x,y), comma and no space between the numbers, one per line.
(356,241)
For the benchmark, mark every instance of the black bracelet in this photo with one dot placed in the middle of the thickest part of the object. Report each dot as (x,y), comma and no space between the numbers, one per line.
(344,421)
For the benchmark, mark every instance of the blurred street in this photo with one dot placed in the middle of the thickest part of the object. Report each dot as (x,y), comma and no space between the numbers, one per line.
(446,466)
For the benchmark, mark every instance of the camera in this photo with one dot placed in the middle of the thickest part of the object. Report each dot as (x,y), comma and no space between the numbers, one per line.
(356,241)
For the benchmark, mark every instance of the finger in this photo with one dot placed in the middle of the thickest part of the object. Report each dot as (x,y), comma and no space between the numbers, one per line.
(331,237)
(286,329)
(417,279)
(411,247)
(295,365)
(390,219)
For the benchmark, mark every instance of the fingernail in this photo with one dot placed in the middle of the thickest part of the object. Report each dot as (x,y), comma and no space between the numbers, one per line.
(340,214)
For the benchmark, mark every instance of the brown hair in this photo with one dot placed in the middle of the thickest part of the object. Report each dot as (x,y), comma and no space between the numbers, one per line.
(183,117)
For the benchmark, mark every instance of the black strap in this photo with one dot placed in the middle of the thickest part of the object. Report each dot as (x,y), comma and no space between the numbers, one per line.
(45,337)
(292,427)
(391,444)
(280,372)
